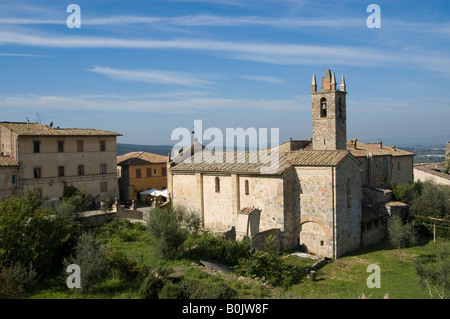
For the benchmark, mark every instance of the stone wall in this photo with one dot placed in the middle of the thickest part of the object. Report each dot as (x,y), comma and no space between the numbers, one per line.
(7,188)
(424,174)
(96,183)
(402,169)
(348,206)
(316,209)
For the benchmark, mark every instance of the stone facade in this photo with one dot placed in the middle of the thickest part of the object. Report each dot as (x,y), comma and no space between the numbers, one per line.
(9,174)
(140,171)
(49,157)
(317,197)
(329,114)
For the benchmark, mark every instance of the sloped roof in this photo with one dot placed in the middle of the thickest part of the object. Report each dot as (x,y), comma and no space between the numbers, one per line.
(6,161)
(376,149)
(140,158)
(35,129)
(257,162)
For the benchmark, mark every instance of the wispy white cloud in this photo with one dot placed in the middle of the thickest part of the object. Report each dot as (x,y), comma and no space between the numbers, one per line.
(25,55)
(153,76)
(168,104)
(262,78)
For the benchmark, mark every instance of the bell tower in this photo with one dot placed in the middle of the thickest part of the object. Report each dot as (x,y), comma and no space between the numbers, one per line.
(329,116)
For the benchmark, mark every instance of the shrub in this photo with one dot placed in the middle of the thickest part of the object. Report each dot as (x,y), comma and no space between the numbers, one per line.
(9,288)
(172,291)
(207,246)
(198,289)
(151,287)
(123,267)
(29,234)
(91,257)
(165,229)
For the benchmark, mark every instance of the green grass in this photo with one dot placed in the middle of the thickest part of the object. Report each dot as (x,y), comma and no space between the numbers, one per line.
(343,278)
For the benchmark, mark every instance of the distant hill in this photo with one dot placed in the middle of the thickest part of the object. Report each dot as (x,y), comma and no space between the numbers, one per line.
(411,141)
(155,149)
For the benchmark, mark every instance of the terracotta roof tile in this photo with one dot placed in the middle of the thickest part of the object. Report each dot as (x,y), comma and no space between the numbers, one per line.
(35,129)
(257,162)
(376,149)
(6,161)
(140,158)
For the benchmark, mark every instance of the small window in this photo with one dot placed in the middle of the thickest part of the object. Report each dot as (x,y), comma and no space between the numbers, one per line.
(80,169)
(154,171)
(60,171)
(13,178)
(247,190)
(37,172)
(103,168)
(163,171)
(37,146)
(80,146)
(217,185)
(149,172)
(138,173)
(102,146)
(60,146)
(322,243)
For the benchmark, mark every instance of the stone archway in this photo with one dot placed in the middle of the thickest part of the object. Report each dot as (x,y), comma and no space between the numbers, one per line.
(315,236)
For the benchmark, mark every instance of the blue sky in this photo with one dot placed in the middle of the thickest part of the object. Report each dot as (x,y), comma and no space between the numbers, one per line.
(144,68)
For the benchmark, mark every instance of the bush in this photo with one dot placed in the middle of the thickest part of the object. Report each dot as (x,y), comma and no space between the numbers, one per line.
(151,287)
(9,288)
(165,229)
(29,234)
(123,267)
(207,246)
(172,291)
(91,257)
(198,289)
(267,264)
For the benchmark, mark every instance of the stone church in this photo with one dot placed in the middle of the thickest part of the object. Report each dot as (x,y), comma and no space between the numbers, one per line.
(321,196)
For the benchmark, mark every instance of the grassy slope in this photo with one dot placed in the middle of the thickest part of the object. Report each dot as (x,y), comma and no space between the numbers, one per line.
(343,278)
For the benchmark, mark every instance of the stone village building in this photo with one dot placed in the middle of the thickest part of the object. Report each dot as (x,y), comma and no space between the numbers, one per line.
(140,171)
(326,194)
(42,157)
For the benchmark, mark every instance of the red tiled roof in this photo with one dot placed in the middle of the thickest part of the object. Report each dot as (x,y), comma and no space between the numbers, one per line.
(140,158)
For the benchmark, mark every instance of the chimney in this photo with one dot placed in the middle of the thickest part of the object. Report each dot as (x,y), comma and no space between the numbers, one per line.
(380,143)
(353,143)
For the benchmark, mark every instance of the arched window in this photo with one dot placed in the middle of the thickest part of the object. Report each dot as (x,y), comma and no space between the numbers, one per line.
(217,185)
(323,107)
(247,189)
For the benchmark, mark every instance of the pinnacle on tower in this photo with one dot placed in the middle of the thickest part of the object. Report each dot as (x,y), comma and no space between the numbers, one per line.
(314,84)
(333,82)
(343,83)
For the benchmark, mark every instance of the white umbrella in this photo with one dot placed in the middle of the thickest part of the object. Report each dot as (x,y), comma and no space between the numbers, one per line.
(151,191)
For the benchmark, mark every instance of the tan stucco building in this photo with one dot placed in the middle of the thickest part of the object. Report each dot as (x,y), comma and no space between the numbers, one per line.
(48,157)
(140,171)
(313,196)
